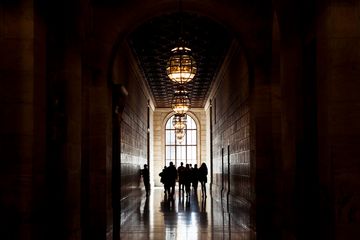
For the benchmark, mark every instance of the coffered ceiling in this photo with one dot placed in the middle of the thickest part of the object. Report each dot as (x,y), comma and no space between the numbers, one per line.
(153,41)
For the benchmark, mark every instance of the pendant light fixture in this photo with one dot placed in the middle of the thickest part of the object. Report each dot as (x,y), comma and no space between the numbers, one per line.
(181,67)
(179,134)
(179,121)
(181,101)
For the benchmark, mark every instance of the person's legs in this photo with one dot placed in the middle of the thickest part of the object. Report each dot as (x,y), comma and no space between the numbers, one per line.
(203,188)
(187,189)
(172,189)
(195,185)
(167,189)
(147,188)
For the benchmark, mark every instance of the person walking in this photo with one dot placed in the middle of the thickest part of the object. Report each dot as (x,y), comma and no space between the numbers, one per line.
(163,179)
(180,172)
(171,173)
(195,178)
(203,172)
(146,178)
(187,180)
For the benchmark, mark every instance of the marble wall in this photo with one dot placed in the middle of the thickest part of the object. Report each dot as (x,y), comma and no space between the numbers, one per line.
(231,170)
(133,125)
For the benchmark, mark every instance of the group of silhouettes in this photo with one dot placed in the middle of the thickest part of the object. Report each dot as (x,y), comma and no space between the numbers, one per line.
(186,176)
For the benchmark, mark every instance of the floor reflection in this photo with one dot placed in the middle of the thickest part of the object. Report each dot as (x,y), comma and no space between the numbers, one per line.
(160,217)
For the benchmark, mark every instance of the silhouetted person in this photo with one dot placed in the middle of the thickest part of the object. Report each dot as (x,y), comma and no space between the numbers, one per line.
(195,178)
(146,178)
(163,179)
(191,168)
(203,171)
(171,173)
(187,180)
(181,170)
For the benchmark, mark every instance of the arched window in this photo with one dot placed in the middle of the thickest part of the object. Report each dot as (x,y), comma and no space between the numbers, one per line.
(185,151)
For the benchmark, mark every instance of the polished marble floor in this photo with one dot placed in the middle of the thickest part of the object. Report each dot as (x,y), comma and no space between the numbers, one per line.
(182,218)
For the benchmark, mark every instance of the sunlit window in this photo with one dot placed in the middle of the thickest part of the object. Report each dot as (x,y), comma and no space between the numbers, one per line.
(184,151)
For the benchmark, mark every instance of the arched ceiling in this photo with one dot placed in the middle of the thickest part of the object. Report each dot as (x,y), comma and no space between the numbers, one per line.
(152,42)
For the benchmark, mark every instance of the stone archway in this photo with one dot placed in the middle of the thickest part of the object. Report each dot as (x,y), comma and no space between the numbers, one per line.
(106,52)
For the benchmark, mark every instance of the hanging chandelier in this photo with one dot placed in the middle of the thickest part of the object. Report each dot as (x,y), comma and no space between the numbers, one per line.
(181,67)
(179,121)
(179,134)
(180,102)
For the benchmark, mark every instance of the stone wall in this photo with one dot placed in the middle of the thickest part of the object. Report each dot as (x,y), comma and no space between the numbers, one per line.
(232,175)
(133,134)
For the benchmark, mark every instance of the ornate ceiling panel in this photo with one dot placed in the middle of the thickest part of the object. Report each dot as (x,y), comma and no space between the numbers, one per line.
(153,41)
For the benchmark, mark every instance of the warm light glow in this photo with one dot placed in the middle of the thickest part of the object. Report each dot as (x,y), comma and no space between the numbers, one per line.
(181,67)
(181,48)
(179,125)
(180,102)
(181,109)
(179,121)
